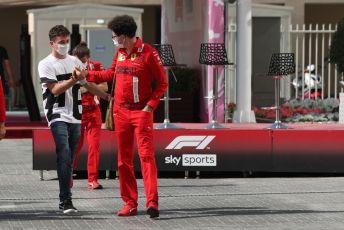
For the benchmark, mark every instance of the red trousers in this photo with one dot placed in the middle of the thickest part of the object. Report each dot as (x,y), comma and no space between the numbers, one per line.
(91,122)
(130,123)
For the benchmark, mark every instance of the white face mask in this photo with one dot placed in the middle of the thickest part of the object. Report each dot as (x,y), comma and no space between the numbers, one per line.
(115,42)
(62,49)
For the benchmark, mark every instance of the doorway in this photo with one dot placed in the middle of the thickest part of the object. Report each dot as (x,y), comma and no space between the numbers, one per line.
(265,41)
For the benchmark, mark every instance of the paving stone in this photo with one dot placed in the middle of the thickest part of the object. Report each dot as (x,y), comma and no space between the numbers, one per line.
(215,203)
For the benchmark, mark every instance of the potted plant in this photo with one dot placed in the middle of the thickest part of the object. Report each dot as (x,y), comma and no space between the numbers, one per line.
(295,110)
(308,110)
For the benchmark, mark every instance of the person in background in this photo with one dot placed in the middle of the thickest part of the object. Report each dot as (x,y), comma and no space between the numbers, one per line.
(91,120)
(62,106)
(5,66)
(135,66)
(2,113)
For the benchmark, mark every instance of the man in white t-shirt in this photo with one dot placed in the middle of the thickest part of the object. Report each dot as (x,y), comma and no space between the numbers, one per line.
(62,106)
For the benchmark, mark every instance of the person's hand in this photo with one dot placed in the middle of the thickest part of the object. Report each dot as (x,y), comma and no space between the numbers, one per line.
(2,130)
(79,74)
(83,90)
(147,108)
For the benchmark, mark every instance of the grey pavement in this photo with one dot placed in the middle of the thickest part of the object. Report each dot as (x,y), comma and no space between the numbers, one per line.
(228,203)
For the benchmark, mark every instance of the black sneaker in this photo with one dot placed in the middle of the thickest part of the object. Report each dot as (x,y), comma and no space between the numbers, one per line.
(61,205)
(68,207)
(153,212)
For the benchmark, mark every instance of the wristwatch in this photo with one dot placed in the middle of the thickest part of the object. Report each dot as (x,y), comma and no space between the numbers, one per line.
(83,81)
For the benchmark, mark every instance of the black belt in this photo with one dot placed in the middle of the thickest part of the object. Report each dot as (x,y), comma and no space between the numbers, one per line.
(133,106)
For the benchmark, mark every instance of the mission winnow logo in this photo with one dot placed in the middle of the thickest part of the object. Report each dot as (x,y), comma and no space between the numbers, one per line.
(199,143)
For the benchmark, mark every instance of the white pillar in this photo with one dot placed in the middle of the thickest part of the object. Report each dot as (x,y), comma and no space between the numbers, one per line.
(243,111)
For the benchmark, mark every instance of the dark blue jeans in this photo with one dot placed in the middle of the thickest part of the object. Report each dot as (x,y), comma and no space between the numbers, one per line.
(66,137)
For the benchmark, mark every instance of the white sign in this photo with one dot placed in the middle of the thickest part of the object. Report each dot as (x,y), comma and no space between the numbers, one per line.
(200,142)
(199,160)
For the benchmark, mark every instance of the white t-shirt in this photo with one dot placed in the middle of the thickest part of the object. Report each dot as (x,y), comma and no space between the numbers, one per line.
(66,106)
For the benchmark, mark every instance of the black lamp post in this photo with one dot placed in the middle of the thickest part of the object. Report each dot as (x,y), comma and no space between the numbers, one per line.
(168,61)
(214,54)
(281,64)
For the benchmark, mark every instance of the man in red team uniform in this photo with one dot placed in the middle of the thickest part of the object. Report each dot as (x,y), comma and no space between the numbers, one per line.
(2,112)
(91,120)
(135,66)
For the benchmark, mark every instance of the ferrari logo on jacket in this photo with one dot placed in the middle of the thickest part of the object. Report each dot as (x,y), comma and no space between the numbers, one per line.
(133,56)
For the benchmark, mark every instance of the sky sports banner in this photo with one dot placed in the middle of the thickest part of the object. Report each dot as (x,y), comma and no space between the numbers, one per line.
(212,150)
(176,150)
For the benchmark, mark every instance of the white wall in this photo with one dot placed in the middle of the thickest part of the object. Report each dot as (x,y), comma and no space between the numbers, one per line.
(298,14)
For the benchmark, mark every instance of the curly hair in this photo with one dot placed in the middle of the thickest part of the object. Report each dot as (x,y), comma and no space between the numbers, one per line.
(58,30)
(123,25)
(81,50)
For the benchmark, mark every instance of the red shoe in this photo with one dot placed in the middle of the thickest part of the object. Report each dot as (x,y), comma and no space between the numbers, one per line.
(94,185)
(127,210)
(153,210)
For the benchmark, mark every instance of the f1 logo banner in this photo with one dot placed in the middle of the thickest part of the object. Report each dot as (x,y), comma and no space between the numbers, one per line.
(189,141)
(211,150)
(198,145)
(176,150)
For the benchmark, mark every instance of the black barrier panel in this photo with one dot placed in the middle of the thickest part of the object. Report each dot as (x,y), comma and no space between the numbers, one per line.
(25,74)
(75,37)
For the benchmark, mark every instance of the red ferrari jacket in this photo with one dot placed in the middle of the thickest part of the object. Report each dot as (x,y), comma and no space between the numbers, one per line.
(2,104)
(134,74)
(89,99)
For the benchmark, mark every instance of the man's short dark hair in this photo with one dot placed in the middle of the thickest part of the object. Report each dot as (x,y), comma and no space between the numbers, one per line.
(81,50)
(123,25)
(58,30)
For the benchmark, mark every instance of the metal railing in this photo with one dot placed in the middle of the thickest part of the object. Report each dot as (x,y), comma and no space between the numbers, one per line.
(311,45)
